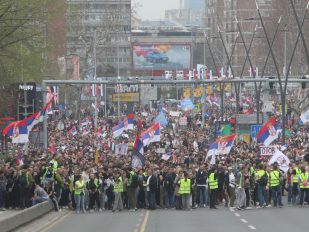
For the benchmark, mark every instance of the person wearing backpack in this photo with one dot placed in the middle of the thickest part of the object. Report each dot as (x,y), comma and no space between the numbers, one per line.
(304,186)
(132,185)
(262,180)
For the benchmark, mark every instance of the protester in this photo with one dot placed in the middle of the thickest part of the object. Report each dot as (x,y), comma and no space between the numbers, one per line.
(89,171)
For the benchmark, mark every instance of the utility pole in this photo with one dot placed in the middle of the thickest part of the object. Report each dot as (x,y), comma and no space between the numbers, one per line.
(95,77)
(118,100)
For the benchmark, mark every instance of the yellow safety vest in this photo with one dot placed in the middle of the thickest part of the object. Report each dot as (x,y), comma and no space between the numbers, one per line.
(274,178)
(71,185)
(295,177)
(304,179)
(79,187)
(260,173)
(185,186)
(118,186)
(213,183)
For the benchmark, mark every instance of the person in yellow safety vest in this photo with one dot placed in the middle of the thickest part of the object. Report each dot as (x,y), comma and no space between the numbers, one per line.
(79,194)
(93,186)
(262,180)
(118,190)
(185,191)
(54,163)
(304,186)
(213,187)
(142,194)
(295,186)
(275,179)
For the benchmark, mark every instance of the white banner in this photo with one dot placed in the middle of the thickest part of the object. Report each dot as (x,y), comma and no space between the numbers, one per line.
(282,160)
(270,150)
(183,121)
(175,113)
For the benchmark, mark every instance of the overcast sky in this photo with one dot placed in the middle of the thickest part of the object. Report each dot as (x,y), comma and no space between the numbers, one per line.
(154,9)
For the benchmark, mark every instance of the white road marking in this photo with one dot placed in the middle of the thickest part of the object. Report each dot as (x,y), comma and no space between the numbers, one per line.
(137,225)
(244,220)
(140,219)
(136,230)
(252,227)
(231,209)
(237,214)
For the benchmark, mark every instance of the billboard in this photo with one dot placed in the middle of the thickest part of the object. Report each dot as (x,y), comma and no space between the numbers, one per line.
(125,97)
(160,56)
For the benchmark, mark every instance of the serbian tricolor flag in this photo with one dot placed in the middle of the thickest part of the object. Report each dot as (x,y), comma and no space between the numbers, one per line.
(73,131)
(222,145)
(101,133)
(117,130)
(18,131)
(151,135)
(19,158)
(138,145)
(268,133)
(36,118)
(129,122)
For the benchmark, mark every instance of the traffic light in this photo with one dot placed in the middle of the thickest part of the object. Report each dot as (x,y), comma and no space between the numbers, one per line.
(303,84)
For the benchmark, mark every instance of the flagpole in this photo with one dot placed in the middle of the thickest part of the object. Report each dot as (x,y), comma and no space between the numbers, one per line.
(44,118)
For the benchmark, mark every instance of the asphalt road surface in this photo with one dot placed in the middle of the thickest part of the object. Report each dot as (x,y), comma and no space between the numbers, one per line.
(287,219)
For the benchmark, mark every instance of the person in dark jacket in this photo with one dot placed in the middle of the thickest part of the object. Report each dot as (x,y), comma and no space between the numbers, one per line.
(202,188)
(169,189)
(152,185)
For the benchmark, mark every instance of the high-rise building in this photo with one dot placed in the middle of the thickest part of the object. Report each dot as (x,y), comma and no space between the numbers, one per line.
(195,5)
(223,13)
(103,26)
(189,13)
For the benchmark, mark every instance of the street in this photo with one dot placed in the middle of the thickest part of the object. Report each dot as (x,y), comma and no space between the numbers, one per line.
(269,219)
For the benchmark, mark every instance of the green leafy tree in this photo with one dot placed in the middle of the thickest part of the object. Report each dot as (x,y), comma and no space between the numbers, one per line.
(22,40)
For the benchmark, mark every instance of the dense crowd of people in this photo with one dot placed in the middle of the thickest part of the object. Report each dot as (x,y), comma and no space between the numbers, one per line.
(84,172)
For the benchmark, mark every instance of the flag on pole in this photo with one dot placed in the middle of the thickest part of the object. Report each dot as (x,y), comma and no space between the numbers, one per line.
(226,130)
(282,160)
(73,131)
(186,104)
(222,145)
(118,129)
(152,134)
(129,122)
(304,117)
(138,145)
(19,158)
(268,132)
(161,119)
(137,160)
(101,133)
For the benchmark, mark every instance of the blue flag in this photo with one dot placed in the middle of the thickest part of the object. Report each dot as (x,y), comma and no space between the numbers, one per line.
(161,119)
(186,104)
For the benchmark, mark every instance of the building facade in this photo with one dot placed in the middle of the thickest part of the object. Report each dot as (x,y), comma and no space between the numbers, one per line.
(223,13)
(101,28)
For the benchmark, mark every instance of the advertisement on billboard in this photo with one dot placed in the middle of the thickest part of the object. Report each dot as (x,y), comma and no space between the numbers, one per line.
(161,56)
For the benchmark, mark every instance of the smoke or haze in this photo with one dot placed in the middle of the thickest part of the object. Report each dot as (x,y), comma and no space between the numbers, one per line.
(155,9)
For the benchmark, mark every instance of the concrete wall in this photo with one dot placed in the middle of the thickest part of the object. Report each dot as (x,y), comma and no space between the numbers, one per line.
(25,216)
